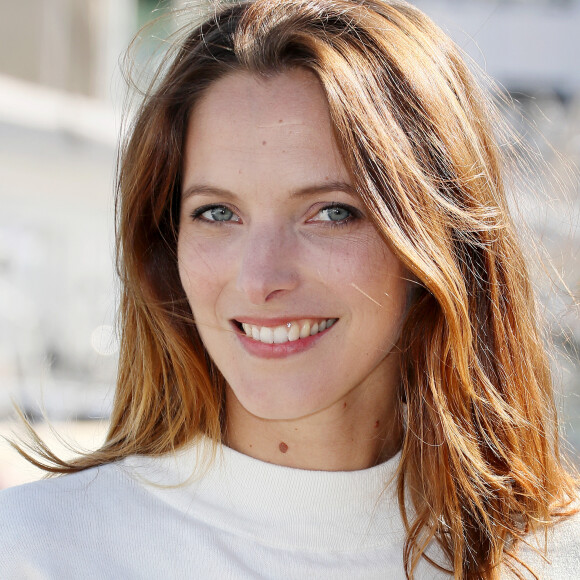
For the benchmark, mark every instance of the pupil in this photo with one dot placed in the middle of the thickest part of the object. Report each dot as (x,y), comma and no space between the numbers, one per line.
(338,214)
(221,214)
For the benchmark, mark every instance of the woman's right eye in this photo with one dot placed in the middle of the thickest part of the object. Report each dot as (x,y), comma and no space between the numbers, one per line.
(215,213)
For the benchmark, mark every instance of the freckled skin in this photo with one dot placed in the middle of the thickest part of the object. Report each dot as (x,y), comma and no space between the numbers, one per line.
(278,256)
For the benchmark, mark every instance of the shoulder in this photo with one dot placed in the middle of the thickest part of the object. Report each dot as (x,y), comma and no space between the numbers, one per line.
(554,554)
(39,518)
(46,501)
(61,494)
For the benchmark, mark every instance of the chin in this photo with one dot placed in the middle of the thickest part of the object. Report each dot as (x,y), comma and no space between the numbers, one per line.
(270,407)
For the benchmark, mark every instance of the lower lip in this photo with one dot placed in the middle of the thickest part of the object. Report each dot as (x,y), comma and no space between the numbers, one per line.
(263,350)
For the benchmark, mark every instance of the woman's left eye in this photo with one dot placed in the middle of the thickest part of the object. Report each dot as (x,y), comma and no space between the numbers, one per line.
(215,213)
(338,214)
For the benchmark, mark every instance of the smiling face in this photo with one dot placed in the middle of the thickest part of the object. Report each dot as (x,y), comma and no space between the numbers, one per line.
(297,299)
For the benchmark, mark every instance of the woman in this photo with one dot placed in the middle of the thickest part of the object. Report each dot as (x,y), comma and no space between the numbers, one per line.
(330,360)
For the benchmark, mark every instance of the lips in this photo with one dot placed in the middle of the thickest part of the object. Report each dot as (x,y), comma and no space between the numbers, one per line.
(290,331)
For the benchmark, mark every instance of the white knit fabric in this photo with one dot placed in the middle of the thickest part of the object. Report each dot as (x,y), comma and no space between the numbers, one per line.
(242,518)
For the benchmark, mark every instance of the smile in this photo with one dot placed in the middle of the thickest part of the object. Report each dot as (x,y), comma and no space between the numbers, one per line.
(288,332)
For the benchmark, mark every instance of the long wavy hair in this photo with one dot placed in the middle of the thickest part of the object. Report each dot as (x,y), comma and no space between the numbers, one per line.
(480,465)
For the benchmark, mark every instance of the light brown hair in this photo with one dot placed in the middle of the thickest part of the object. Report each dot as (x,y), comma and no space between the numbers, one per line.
(480,460)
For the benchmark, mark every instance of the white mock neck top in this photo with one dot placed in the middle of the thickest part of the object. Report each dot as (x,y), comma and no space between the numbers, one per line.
(241,518)
(279,506)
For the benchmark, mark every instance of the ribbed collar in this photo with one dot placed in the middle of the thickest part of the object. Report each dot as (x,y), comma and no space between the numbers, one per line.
(276,505)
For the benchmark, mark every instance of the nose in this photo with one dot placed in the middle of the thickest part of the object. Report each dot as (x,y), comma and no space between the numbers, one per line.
(268,266)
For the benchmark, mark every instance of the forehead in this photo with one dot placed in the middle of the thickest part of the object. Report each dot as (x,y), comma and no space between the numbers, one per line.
(274,130)
(293,96)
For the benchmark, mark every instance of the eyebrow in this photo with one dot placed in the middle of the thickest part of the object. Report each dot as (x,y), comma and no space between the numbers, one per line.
(203,189)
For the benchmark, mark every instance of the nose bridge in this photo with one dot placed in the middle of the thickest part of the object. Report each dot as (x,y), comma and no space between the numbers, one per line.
(267,264)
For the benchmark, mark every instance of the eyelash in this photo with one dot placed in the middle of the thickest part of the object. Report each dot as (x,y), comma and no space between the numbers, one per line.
(355,214)
(197,214)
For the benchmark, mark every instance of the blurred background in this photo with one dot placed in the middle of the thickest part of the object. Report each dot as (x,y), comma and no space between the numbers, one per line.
(61,102)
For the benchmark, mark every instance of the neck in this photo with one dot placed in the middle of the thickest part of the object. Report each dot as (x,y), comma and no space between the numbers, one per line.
(355,433)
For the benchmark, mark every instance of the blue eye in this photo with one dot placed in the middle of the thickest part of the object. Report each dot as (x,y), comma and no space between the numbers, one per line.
(215,213)
(337,214)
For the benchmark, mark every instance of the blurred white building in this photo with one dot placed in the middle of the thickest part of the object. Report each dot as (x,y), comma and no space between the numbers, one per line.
(60,90)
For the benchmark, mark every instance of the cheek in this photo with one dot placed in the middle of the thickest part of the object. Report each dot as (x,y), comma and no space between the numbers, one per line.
(344,259)
(379,296)
(374,275)
(202,271)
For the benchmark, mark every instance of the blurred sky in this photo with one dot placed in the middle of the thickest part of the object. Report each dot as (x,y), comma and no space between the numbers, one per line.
(61,95)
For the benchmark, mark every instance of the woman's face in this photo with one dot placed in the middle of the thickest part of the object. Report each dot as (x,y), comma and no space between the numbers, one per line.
(274,246)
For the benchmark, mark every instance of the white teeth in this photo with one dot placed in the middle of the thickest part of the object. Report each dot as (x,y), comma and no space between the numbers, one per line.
(294,333)
(280,334)
(289,332)
(266,335)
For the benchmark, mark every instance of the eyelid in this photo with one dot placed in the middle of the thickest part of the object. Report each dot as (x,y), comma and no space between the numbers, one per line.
(355,212)
(199,211)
